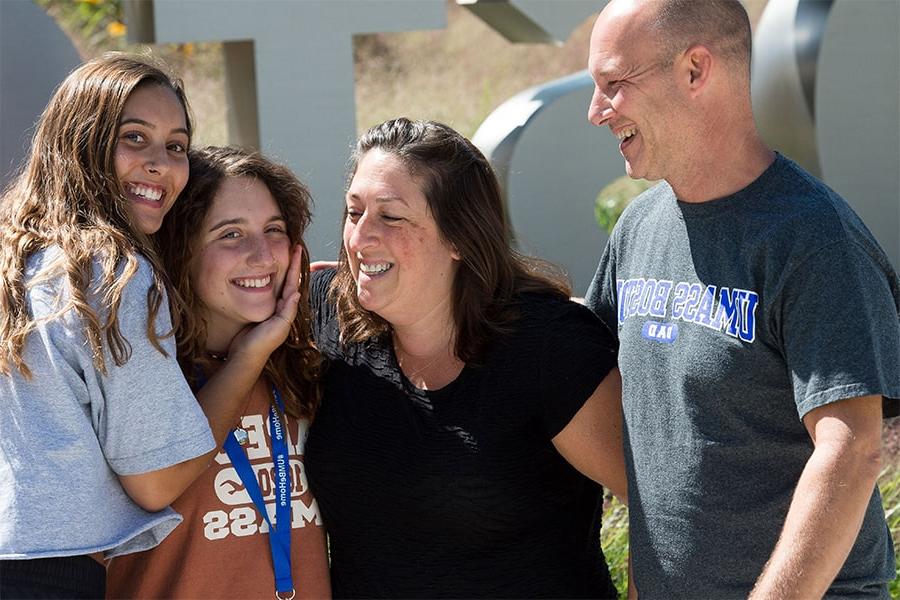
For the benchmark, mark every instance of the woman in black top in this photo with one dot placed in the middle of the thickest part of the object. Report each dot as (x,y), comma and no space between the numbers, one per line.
(466,397)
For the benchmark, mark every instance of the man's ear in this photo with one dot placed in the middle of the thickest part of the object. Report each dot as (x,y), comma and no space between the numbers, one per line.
(696,68)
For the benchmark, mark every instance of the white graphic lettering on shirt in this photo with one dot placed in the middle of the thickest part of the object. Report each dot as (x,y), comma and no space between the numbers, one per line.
(729,310)
(238,515)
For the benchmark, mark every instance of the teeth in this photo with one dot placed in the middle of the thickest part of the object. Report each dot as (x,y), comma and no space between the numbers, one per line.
(145,192)
(254,283)
(626,133)
(375,268)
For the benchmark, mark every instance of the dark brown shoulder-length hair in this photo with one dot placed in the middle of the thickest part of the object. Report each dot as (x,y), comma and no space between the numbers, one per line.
(464,197)
(67,195)
(294,367)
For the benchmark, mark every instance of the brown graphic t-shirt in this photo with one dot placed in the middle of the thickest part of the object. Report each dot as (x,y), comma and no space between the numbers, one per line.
(221,550)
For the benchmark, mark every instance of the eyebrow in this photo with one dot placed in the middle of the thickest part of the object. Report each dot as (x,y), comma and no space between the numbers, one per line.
(241,221)
(383,199)
(149,125)
(606,69)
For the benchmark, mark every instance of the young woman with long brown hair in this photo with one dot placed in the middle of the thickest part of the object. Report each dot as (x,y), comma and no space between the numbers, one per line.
(100,432)
(226,247)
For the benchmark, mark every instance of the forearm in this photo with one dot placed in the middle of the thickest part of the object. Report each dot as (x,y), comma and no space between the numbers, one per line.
(223,396)
(592,441)
(823,521)
(222,400)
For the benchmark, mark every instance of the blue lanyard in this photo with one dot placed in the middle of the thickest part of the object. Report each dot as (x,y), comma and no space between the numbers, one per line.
(279,537)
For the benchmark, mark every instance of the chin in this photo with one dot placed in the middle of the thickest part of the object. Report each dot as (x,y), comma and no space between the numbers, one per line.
(148,227)
(366,302)
(252,317)
(632,171)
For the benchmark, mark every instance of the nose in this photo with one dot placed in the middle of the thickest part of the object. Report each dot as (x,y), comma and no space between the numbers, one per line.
(260,251)
(156,160)
(360,235)
(600,110)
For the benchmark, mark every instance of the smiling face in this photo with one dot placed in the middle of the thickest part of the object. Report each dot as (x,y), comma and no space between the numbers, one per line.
(151,154)
(241,256)
(635,92)
(402,266)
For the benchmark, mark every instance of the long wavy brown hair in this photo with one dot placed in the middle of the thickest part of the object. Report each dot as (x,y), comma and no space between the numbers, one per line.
(464,196)
(294,367)
(67,195)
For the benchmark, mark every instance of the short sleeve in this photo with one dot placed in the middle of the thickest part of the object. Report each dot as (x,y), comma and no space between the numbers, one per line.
(147,417)
(577,354)
(601,294)
(840,328)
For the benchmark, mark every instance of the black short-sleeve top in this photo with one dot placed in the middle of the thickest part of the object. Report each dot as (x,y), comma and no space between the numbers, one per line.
(459,492)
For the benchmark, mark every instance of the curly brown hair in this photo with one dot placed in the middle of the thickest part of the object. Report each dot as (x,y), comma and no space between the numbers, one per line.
(295,366)
(67,195)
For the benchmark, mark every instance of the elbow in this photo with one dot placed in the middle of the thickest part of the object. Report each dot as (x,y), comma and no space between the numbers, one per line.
(147,491)
(871,464)
(860,462)
(867,461)
(150,501)
(152,505)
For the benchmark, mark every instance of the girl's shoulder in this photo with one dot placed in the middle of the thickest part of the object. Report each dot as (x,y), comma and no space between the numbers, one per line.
(49,287)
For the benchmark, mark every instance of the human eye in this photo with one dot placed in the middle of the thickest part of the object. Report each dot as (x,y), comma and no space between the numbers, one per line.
(177,147)
(231,234)
(353,214)
(391,218)
(134,137)
(276,229)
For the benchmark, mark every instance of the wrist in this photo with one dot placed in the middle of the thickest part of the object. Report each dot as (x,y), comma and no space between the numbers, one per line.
(246,362)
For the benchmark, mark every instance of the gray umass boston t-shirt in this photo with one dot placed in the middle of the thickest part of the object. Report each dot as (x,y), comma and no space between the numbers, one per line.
(735,318)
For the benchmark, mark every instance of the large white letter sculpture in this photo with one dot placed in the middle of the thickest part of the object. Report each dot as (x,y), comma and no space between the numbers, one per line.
(290,65)
(35,55)
(551,162)
(826,77)
(844,56)
(858,113)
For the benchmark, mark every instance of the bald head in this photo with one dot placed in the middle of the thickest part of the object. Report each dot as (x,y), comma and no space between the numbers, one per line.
(672,82)
(675,25)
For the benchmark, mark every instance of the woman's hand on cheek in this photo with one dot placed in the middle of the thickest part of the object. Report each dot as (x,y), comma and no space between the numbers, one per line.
(260,340)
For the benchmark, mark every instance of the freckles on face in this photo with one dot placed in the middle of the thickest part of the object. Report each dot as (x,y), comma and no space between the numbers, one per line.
(402,266)
(151,154)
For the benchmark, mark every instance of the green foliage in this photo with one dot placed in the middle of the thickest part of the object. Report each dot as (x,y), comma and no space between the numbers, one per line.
(614,540)
(90,23)
(889,484)
(613,199)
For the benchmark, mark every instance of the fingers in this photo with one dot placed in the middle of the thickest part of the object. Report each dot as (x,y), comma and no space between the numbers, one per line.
(294,274)
(258,341)
(288,308)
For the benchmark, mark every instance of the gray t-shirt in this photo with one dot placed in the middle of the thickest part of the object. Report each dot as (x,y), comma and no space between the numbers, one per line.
(67,432)
(735,318)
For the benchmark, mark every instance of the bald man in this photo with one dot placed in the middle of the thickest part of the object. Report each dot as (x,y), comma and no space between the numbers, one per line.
(758,324)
